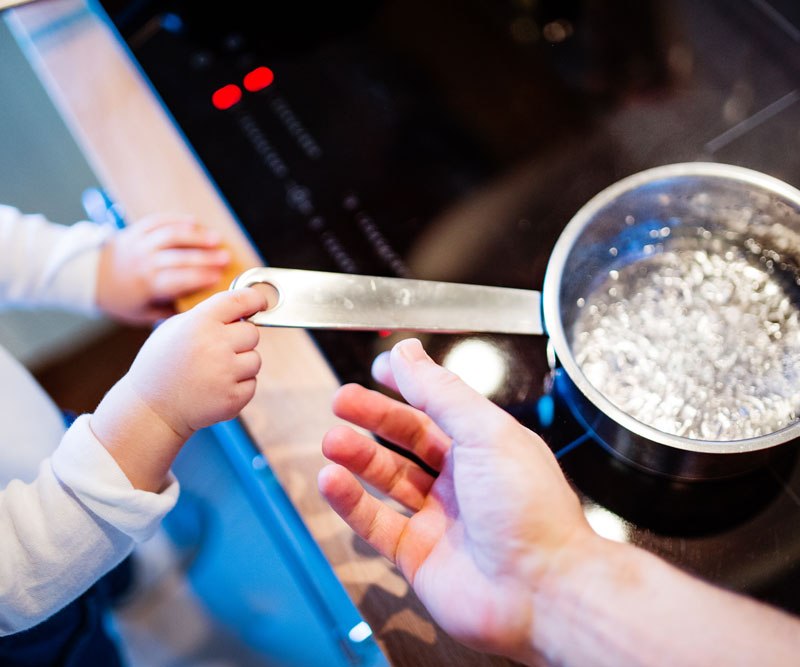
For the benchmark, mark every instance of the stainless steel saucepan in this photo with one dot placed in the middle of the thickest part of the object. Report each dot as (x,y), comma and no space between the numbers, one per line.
(671,299)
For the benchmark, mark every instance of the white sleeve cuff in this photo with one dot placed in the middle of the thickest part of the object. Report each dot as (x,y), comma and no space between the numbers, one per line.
(46,264)
(70,278)
(87,468)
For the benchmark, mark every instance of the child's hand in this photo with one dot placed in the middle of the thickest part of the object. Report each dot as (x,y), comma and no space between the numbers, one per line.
(199,367)
(196,369)
(146,266)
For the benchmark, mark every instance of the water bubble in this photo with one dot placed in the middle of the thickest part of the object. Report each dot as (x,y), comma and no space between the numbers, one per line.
(699,344)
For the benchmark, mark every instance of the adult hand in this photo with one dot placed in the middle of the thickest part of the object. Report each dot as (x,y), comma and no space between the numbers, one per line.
(481,537)
(149,264)
(196,369)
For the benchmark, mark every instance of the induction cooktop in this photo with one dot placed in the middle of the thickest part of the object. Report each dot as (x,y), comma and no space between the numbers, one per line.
(453,141)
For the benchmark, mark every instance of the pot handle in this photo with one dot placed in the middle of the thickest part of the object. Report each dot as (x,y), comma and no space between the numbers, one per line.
(322,300)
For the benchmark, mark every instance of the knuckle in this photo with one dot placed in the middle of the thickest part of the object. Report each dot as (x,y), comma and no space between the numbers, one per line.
(245,392)
(256,364)
(235,297)
(255,334)
(447,381)
(501,426)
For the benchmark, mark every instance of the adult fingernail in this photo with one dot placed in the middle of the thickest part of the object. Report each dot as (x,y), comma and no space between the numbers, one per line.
(381,366)
(411,350)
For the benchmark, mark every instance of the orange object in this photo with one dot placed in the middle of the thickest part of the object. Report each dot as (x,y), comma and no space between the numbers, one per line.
(233,269)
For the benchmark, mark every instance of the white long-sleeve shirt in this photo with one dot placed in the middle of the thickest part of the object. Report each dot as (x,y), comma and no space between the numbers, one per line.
(68,514)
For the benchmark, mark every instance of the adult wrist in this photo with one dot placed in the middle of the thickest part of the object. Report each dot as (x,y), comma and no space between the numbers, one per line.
(567,595)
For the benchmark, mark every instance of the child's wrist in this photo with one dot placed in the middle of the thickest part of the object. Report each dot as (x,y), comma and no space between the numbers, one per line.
(139,439)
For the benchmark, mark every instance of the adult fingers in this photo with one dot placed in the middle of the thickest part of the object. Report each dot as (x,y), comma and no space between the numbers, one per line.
(394,421)
(382,371)
(461,412)
(231,305)
(380,526)
(378,466)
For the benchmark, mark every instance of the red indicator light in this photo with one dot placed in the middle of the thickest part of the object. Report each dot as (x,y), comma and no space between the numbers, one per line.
(226,97)
(258,79)
(384,333)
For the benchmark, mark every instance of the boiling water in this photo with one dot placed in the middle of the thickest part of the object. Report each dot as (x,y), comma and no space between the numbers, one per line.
(699,344)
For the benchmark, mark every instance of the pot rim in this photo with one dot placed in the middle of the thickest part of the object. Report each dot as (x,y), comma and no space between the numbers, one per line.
(551,301)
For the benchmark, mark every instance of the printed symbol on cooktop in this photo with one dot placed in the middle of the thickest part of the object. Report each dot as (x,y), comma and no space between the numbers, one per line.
(381,245)
(299,197)
(262,145)
(295,127)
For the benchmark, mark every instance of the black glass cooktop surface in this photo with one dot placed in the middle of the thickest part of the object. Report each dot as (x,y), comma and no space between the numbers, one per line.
(453,141)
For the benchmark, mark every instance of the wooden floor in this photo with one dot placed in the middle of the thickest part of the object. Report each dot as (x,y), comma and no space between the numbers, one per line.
(79,381)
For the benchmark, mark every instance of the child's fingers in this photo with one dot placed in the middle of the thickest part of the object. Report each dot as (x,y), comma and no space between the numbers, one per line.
(180,233)
(181,258)
(172,283)
(245,390)
(246,365)
(232,305)
(155,220)
(243,336)
(156,313)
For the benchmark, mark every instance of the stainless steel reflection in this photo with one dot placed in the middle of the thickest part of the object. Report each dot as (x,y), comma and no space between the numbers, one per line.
(322,300)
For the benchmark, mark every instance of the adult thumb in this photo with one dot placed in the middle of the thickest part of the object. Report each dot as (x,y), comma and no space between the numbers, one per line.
(469,418)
